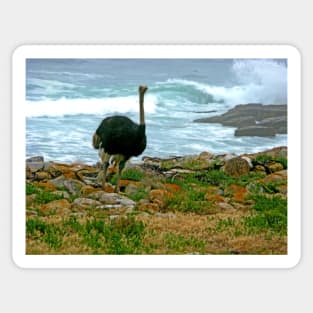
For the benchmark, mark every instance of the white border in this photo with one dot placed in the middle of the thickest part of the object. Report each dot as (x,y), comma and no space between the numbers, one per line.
(156,51)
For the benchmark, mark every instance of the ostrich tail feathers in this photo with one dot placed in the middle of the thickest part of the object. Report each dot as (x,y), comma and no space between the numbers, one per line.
(96,140)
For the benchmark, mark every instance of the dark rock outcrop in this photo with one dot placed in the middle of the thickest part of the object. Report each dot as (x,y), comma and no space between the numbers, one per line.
(253,119)
(260,131)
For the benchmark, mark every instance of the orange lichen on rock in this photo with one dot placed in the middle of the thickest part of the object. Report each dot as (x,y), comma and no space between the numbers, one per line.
(237,192)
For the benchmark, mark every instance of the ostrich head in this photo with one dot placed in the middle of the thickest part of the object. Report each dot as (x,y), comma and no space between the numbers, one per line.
(142,90)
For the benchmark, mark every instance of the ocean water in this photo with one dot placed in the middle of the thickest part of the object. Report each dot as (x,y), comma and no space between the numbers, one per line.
(66,100)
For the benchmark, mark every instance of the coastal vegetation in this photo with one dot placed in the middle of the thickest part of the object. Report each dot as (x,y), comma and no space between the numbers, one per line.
(184,205)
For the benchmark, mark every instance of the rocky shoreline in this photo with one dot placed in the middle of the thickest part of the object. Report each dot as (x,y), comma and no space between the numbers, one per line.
(171,191)
(253,119)
(83,182)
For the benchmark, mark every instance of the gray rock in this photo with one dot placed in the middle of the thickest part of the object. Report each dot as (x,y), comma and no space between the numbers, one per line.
(73,186)
(260,131)
(58,182)
(248,160)
(236,167)
(113,199)
(87,176)
(249,117)
(34,164)
(110,206)
(47,165)
(278,123)
(35,159)
(61,193)
(225,206)
(42,175)
(228,157)
(85,203)
(206,155)
(233,121)
(279,177)
(131,189)
(176,171)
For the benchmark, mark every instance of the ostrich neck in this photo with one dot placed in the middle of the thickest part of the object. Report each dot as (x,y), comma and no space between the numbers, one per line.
(142,111)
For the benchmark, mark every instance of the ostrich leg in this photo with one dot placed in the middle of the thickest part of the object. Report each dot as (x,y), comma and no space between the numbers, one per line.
(121,166)
(105,169)
(105,157)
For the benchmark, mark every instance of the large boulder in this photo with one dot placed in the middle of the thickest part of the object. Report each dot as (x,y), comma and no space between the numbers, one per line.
(61,207)
(112,200)
(236,167)
(34,164)
(253,119)
(73,186)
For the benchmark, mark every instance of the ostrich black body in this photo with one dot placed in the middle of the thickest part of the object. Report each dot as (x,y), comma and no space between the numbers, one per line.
(120,135)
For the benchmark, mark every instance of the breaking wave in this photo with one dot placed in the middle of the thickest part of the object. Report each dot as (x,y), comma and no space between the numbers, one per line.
(263,81)
(93,106)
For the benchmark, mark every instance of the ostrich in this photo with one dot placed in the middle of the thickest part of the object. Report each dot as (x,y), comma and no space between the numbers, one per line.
(119,137)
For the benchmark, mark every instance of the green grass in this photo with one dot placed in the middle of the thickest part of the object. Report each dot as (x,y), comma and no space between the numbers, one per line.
(133,173)
(119,236)
(265,159)
(32,189)
(189,202)
(130,173)
(73,225)
(125,236)
(42,196)
(182,244)
(223,224)
(263,203)
(219,178)
(141,193)
(272,186)
(270,213)
(51,234)
(190,198)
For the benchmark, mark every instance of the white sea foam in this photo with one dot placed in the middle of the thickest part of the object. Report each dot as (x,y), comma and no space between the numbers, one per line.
(263,81)
(63,106)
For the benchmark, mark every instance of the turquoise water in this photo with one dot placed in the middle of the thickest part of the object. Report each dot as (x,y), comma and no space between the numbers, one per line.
(66,100)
